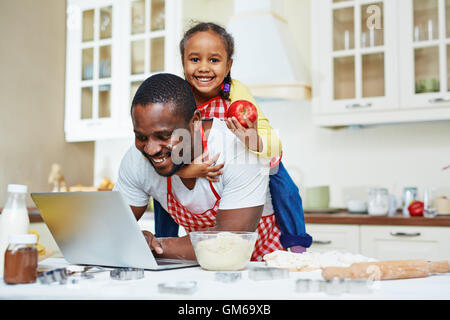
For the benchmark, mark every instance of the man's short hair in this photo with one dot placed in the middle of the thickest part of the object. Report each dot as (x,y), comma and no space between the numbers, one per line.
(169,89)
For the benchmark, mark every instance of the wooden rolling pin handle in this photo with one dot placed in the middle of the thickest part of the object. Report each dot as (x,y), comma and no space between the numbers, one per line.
(337,272)
(387,270)
(439,266)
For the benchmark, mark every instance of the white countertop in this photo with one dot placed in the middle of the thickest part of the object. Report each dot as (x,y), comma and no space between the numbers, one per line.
(435,287)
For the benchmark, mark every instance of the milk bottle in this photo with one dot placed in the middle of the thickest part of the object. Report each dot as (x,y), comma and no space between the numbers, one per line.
(13,219)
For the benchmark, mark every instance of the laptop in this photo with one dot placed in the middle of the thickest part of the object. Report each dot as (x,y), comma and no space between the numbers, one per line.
(99,228)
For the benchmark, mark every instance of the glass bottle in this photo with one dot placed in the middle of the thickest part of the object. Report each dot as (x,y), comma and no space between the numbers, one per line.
(14,218)
(409,195)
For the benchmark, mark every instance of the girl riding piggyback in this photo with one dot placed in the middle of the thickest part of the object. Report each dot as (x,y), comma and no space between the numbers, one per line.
(206,51)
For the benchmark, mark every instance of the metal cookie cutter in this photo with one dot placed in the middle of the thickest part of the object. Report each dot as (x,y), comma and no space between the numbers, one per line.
(179,287)
(127,274)
(228,277)
(267,273)
(56,275)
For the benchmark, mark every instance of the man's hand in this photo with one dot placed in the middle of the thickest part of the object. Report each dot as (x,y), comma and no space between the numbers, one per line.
(200,168)
(249,136)
(153,243)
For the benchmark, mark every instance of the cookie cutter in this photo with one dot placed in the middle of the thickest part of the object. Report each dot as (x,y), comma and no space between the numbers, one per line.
(127,274)
(178,287)
(267,273)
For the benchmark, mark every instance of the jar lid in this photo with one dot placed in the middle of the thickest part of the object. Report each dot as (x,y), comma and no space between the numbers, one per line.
(26,238)
(19,188)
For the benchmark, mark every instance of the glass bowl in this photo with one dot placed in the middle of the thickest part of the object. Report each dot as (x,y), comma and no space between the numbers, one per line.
(223,250)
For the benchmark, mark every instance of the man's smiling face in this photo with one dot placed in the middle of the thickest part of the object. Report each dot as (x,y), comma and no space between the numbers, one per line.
(154,125)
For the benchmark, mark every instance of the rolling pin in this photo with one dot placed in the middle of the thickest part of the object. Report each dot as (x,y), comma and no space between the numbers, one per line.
(387,270)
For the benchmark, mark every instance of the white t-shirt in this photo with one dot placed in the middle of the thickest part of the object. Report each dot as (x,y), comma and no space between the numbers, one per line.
(244,182)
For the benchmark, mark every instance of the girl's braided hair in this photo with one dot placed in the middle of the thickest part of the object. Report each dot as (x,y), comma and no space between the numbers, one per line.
(227,40)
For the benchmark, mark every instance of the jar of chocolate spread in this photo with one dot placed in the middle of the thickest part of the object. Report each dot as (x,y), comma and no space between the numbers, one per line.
(21,259)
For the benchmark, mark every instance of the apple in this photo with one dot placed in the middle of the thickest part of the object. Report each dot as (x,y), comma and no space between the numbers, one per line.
(240,109)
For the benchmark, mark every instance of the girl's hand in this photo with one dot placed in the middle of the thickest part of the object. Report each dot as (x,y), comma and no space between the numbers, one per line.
(249,136)
(200,168)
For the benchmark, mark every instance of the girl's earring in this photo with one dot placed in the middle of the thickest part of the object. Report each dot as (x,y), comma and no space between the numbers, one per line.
(225,87)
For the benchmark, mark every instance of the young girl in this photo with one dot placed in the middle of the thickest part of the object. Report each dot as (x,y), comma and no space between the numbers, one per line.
(206,51)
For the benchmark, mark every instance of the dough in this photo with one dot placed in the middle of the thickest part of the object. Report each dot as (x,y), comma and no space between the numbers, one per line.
(309,261)
(228,251)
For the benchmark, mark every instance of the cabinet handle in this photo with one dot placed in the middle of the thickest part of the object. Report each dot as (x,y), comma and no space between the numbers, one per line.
(321,242)
(358,105)
(438,100)
(405,234)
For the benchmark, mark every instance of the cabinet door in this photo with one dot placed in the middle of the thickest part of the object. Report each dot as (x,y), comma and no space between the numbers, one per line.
(112,46)
(358,72)
(151,33)
(91,67)
(405,242)
(425,53)
(328,237)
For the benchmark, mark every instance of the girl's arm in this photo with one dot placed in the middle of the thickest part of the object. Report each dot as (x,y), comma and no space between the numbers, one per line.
(271,144)
(201,168)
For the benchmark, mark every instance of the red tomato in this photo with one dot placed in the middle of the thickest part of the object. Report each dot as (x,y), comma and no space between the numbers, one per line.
(416,208)
(241,108)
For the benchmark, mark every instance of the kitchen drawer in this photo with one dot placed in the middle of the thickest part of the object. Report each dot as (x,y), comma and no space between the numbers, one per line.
(328,237)
(405,242)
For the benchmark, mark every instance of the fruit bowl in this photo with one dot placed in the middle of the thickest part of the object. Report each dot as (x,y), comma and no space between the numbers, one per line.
(223,250)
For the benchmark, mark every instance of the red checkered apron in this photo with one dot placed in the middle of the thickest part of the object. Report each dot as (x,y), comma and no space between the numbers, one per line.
(215,108)
(268,230)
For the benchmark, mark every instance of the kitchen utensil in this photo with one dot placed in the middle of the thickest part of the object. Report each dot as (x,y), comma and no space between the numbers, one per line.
(358,286)
(228,276)
(267,273)
(430,210)
(356,206)
(443,206)
(179,287)
(223,250)
(317,197)
(409,195)
(334,286)
(387,270)
(392,205)
(378,202)
(127,274)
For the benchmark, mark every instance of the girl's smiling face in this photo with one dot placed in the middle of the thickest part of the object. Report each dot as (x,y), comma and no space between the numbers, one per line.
(205,64)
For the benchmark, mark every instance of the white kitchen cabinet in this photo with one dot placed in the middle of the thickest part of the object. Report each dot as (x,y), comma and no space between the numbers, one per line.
(344,238)
(425,53)
(112,46)
(368,67)
(405,242)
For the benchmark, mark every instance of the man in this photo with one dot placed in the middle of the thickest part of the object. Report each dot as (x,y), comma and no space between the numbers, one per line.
(162,110)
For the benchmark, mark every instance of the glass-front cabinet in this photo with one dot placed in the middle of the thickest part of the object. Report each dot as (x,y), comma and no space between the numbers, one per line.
(425,52)
(112,46)
(357,56)
(379,62)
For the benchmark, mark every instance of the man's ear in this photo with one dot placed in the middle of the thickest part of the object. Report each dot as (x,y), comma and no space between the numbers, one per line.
(196,120)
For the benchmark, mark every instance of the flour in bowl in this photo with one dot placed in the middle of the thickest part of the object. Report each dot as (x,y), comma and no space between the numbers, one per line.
(227,251)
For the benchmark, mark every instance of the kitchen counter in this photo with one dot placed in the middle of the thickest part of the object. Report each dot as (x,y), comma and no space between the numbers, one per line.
(343,217)
(340,216)
(102,287)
